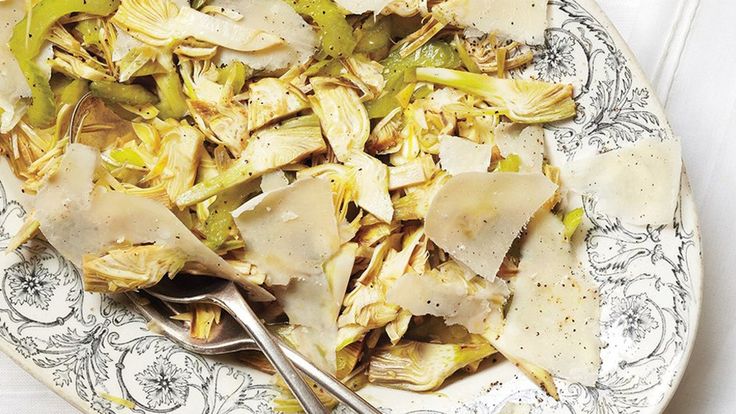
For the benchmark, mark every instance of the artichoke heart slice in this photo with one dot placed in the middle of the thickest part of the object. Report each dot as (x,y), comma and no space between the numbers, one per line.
(163,23)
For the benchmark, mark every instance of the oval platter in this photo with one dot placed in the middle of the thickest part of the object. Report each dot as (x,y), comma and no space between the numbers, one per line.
(85,345)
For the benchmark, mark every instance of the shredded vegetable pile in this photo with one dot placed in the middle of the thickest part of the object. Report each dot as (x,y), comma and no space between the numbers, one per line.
(373,171)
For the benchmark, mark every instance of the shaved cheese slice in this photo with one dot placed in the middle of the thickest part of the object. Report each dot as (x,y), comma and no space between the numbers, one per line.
(313,305)
(362,6)
(277,18)
(476,216)
(475,303)
(79,219)
(639,184)
(527,142)
(13,86)
(273,180)
(554,315)
(289,233)
(459,155)
(310,306)
(520,20)
(371,176)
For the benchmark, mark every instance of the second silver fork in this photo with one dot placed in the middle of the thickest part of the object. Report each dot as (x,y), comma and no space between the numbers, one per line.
(229,336)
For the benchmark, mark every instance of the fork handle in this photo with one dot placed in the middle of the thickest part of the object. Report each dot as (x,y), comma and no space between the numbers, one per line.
(233,302)
(330,383)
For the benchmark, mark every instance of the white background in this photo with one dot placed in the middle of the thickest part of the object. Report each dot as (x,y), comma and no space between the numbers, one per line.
(688,50)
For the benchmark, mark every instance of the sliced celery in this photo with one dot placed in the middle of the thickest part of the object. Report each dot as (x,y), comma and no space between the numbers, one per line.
(29,37)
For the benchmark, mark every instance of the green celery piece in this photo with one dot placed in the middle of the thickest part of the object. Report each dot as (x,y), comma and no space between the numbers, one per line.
(120,93)
(234,76)
(73,92)
(240,172)
(127,156)
(90,32)
(376,35)
(433,54)
(220,221)
(512,163)
(172,101)
(337,35)
(26,43)
(572,221)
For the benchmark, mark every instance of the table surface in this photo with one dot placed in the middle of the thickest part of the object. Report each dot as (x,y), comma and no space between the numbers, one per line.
(686,49)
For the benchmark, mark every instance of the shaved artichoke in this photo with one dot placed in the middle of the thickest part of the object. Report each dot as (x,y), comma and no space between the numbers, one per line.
(343,117)
(269,149)
(163,23)
(371,176)
(271,100)
(180,154)
(524,101)
(133,268)
(418,366)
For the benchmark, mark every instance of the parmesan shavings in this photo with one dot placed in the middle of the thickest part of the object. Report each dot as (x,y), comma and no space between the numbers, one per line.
(554,315)
(639,184)
(476,216)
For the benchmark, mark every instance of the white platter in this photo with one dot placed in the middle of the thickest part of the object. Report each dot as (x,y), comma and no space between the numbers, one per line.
(82,345)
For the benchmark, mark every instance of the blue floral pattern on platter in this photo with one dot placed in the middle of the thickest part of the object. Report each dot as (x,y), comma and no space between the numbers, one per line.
(84,345)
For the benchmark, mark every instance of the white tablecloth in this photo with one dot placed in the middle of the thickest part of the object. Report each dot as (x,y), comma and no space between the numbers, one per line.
(688,49)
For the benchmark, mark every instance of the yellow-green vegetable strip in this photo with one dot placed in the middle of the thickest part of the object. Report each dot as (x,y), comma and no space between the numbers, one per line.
(512,163)
(240,172)
(172,101)
(572,221)
(26,43)
(376,36)
(218,225)
(338,39)
(73,92)
(433,54)
(119,93)
(234,76)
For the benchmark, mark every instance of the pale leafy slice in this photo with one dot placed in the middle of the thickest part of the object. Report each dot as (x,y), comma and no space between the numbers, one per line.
(79,219)
(521,20)
(459,155)
(639,184)
(289,233)
(181,148)
(476,216)
(272,99)
(343,116)
(454,294)
(416,171)
(371,176)
(275,17)
(526,142)
(553,318)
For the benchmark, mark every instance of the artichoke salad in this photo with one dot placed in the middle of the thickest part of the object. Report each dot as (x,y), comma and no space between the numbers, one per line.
(373,171)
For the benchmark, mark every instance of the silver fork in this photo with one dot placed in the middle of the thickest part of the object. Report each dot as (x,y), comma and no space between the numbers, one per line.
(228,336)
